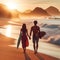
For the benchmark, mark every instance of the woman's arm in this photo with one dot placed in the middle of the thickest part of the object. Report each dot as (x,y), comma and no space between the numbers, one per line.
(28,35)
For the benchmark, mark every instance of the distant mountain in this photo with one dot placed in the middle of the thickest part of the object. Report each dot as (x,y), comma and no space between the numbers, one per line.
(53,11)
(15,13)
(37,12)
(27,11)
(6,13)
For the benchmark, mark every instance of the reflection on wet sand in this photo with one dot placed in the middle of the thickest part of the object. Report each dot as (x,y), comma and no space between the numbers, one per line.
(8,30)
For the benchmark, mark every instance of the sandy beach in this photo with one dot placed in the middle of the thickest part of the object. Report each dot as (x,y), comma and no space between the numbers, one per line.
(12,53)
(42,14)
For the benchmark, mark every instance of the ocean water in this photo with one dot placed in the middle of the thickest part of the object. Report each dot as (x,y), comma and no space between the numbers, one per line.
(50,26)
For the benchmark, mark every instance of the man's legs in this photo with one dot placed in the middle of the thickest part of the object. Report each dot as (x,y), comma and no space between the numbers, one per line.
(36,45)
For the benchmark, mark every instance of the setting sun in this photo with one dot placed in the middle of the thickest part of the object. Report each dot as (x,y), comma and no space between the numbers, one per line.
(11,5)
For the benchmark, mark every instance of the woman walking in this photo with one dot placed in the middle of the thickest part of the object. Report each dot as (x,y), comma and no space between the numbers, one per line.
(24,37)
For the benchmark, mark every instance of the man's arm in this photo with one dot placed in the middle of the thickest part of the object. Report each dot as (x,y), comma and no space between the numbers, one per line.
(28,35)
(39,29)
(30,31)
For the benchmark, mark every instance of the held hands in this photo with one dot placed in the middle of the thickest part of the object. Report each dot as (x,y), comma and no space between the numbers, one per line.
(29,37)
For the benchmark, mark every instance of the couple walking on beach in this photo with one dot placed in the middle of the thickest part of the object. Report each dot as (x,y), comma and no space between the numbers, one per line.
(35,37)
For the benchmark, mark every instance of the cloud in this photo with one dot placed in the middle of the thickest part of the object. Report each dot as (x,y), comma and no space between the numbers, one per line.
(34,1)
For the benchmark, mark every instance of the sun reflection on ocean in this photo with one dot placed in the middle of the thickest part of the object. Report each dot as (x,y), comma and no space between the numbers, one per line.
(8,30)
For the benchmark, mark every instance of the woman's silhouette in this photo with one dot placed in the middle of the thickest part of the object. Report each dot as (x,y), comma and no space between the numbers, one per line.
(24,32)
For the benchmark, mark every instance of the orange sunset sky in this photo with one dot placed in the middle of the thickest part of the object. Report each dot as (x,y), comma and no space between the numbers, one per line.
(23,5)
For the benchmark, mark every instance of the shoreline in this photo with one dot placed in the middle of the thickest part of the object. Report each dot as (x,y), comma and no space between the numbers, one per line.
(11,53)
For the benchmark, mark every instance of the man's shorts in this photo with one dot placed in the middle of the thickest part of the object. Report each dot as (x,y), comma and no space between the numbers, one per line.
(35,39)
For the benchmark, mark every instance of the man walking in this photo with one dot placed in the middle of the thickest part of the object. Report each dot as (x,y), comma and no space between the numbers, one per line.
(35,37)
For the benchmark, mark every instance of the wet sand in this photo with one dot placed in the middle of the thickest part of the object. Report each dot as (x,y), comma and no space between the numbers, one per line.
(12,53)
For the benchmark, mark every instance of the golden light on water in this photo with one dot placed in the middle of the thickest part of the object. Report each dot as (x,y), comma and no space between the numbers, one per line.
(8,30)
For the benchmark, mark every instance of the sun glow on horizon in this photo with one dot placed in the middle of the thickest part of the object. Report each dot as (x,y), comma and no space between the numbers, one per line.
(11,5)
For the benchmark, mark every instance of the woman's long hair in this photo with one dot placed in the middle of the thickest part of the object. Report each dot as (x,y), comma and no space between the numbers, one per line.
(24,29)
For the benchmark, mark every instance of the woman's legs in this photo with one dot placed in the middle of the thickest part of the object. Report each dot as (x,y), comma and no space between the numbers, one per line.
(24,49)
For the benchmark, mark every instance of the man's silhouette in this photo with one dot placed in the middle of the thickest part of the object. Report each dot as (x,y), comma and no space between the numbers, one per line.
(35,30)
